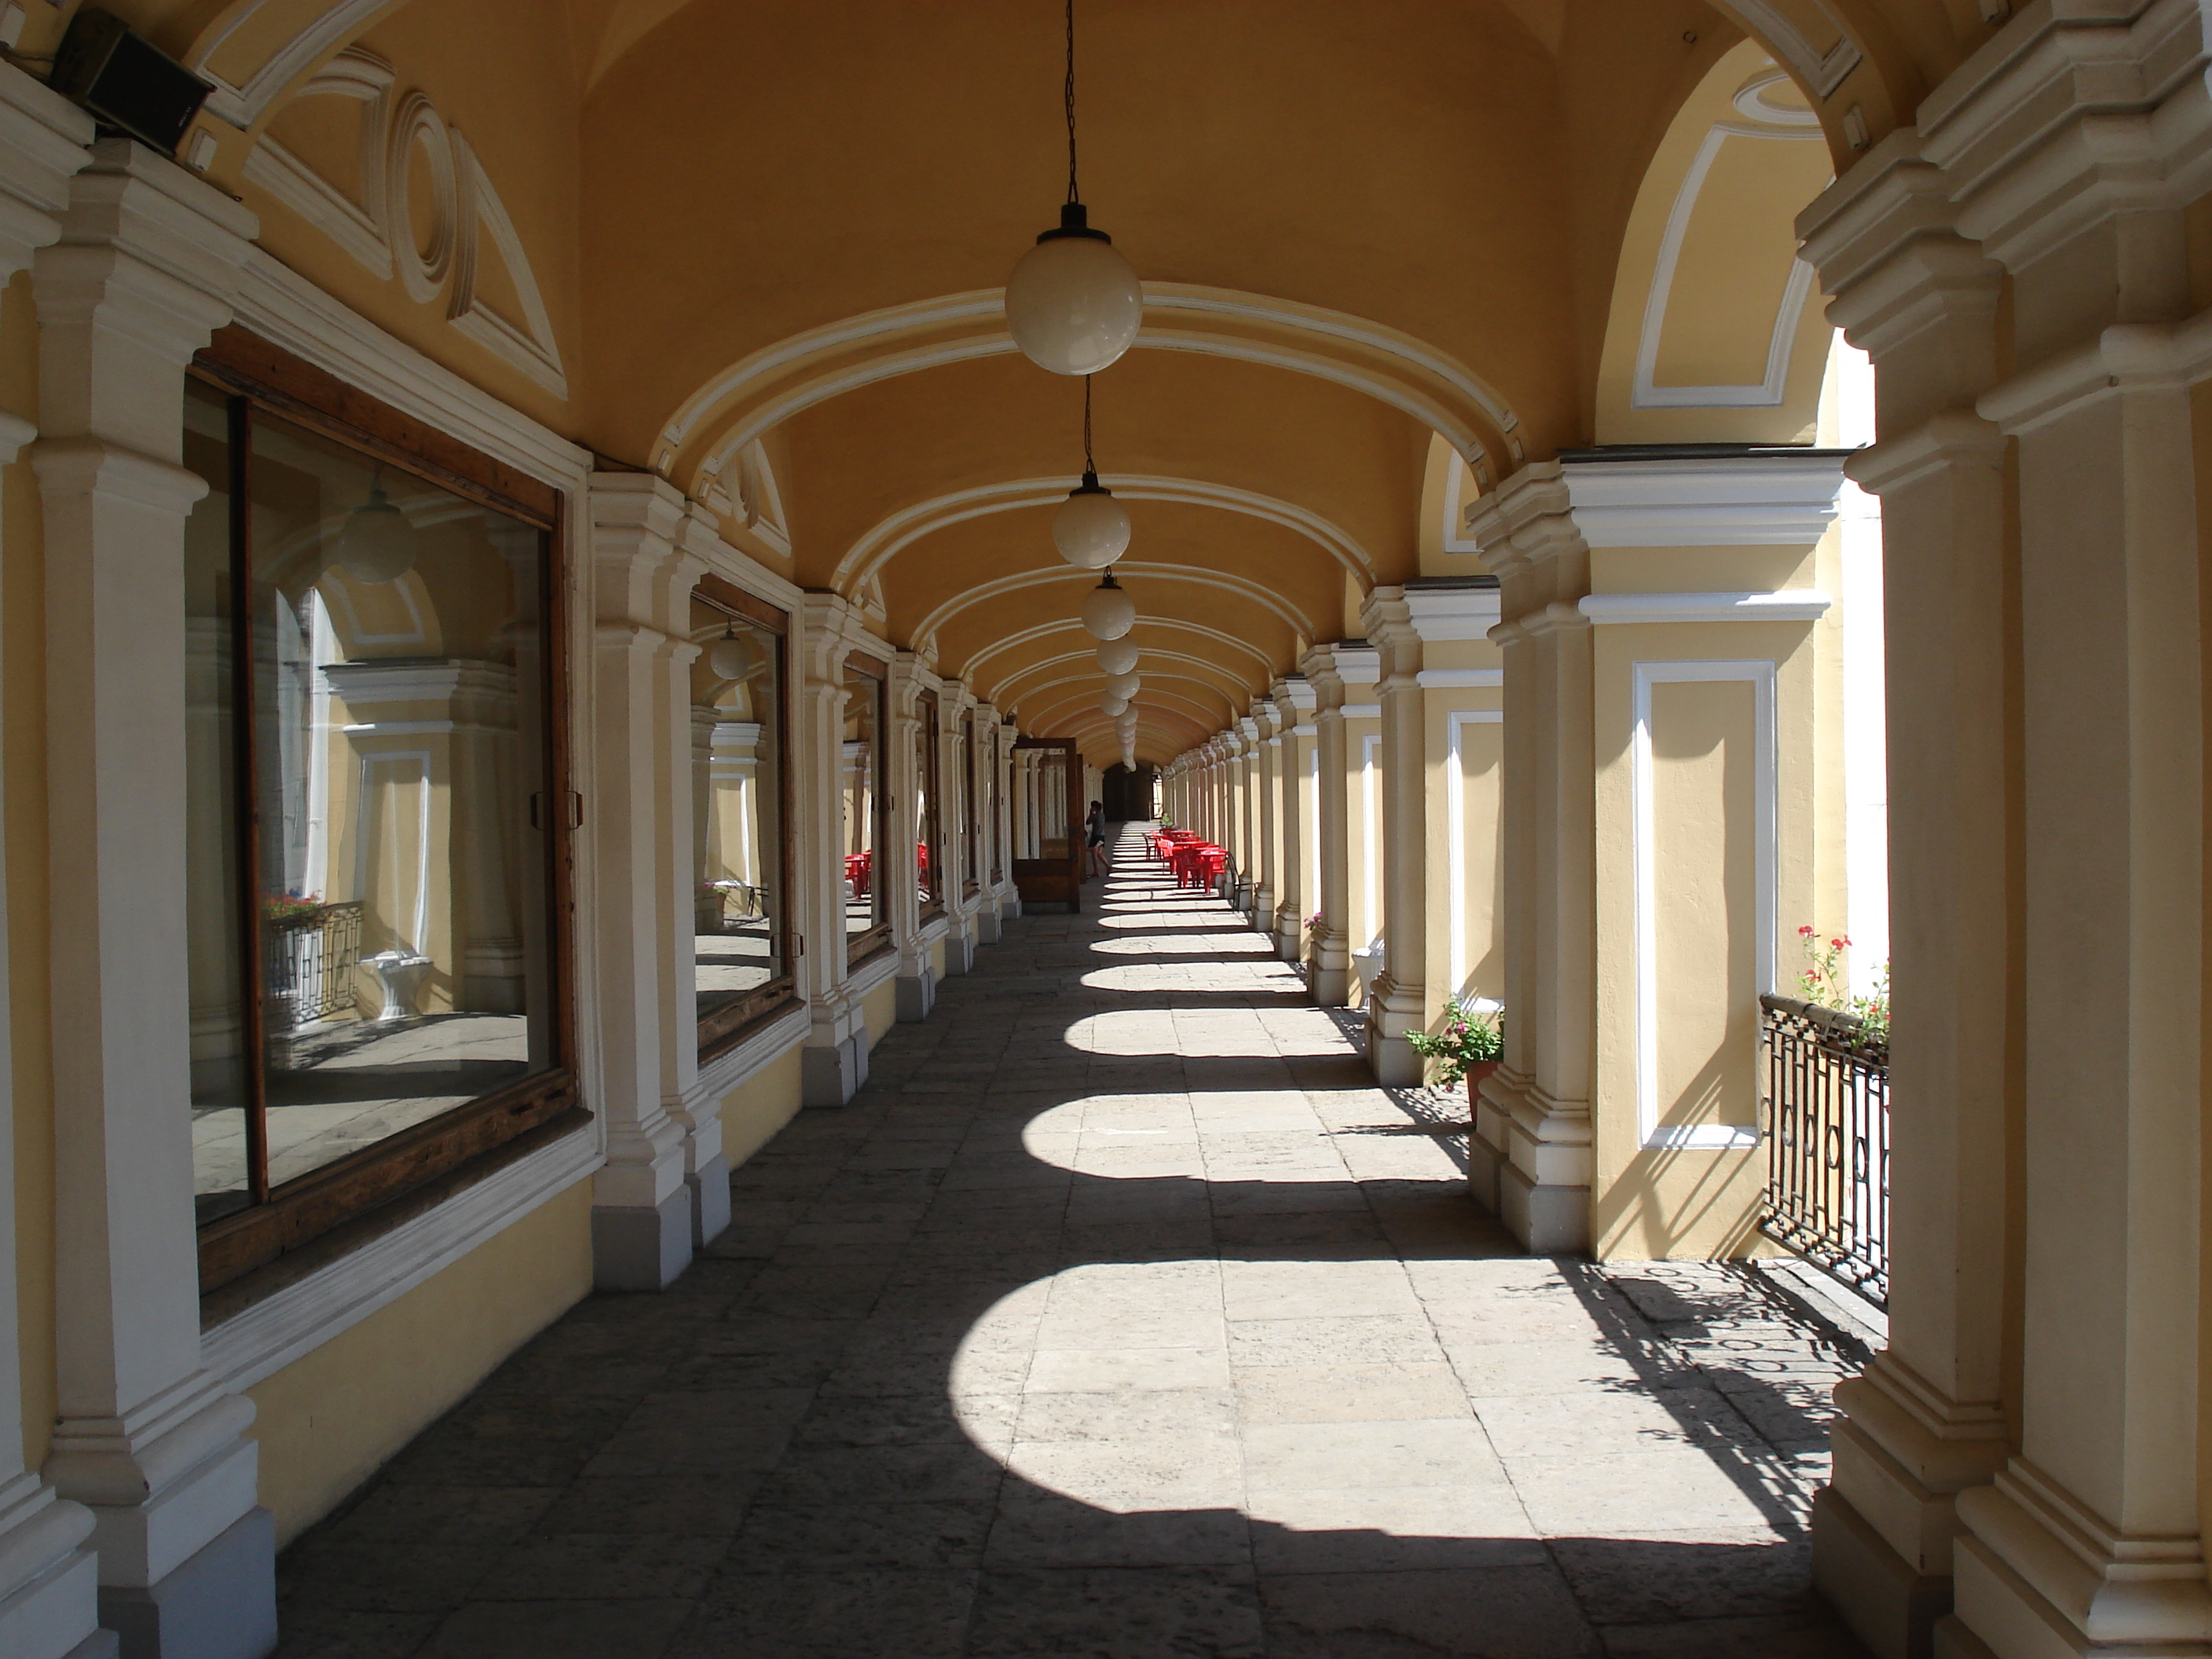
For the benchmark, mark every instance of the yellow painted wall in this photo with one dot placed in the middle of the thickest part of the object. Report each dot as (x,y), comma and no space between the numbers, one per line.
(754,1110)
(879,1008)
(936,961)
(327,1421)
(23,769)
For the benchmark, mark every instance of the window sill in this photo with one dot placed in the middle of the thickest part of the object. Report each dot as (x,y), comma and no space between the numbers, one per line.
(255,1326)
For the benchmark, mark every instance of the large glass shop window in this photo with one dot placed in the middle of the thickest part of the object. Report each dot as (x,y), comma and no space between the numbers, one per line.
(370,835)
(928,815)
(867,899)
(740,904)
(964,808)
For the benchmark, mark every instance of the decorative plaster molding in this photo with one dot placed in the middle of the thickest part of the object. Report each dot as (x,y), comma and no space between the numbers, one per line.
(466,209)
(1823,70)
(1452,613)
(1789,311)
(1440,679)
(1758,498)
(926,631)
(1760,674)
(1782,605)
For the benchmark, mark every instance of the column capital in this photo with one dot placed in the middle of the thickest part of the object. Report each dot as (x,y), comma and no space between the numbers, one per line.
(1294,697)
(44,141)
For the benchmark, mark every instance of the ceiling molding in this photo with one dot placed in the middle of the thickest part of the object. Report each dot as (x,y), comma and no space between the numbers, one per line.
(1069,624)
(890,536)
(771,385)
(924,633)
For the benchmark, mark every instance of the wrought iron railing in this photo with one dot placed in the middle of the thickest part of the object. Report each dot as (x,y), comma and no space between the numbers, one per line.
(1827,1139)
(308,971)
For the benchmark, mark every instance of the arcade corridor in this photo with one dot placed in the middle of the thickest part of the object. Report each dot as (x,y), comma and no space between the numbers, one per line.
(1120,1314)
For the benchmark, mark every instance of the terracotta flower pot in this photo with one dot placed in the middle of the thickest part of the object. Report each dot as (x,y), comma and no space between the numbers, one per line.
(1475,1071)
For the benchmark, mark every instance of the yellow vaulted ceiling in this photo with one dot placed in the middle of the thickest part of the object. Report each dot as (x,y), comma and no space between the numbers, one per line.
(759,244)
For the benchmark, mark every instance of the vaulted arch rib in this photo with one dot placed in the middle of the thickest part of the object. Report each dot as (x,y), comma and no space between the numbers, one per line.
(926,632)
(886,540)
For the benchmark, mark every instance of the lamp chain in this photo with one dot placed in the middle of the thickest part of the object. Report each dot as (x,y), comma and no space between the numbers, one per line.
(1070,95)
(1089,466)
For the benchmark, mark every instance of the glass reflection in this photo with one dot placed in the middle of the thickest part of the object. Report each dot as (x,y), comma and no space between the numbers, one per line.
(929,841)
(398,937)
(737,804)
(866,905)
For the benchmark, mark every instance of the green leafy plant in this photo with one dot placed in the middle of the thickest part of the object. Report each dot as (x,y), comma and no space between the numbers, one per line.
(1467,1037)
(1821,979)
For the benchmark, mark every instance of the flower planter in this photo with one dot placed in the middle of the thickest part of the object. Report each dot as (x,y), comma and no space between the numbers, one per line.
(1475,1071)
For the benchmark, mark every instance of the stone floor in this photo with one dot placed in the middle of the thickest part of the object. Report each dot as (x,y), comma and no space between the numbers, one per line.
(1119,1315)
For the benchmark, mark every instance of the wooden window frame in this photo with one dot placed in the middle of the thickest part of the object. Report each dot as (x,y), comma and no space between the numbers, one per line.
(860,947)
(726,1027)
(462,1146)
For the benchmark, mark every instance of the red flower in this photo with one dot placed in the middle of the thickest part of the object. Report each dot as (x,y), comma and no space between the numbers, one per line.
(1806,931)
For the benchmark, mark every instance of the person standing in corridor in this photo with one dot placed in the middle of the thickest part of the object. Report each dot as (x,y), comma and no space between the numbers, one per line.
(1095,837)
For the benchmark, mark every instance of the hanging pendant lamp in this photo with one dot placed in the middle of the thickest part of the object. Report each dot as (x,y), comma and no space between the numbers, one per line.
(1122,685)
(1109,613)
(732,659)
(377,544)
(1073,303)
(1091,529)
(1117,656)
(1110,704)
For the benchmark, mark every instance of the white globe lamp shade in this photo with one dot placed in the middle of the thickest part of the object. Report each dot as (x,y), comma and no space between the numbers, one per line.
(1091,529)
(1073,303)
(1110,704)
(1117,656)
(377,544)
(1123,686)
(732,659)
(1109,613)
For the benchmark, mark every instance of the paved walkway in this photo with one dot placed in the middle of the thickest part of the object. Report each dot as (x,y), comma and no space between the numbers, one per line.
(1120,1316)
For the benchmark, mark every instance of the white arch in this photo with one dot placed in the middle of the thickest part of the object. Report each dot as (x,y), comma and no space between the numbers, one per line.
(885,540)
(1069,624)
(975,321)
(1096,672)
(1156,694)
(925,634)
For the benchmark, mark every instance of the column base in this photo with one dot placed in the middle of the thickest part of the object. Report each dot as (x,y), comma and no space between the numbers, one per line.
(635,1249)
(1486,1167)
(1546,1221)
(831,1075)
(959,951)
(917,996)
(218,1604)
(49,1605)
(1393,1060)
(1330,987)
(987,924)
(1889,1606)
(710,1201)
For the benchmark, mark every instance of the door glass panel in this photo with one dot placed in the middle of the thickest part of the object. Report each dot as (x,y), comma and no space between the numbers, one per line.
(929,851)
(1052,826)
(737,806)
(865,901)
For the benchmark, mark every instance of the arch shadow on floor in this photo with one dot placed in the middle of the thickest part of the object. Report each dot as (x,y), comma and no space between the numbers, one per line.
(1129,1321)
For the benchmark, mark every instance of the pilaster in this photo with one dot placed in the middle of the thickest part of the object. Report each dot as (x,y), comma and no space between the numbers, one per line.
(900,861)
(1269,766)
(1328,978)
(1294,703)
(1927,1419)
(1529,1156)
(2074,153)
(1397,1001)
(49,1587)
(834,1062)
(140,278)
(643,1206)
